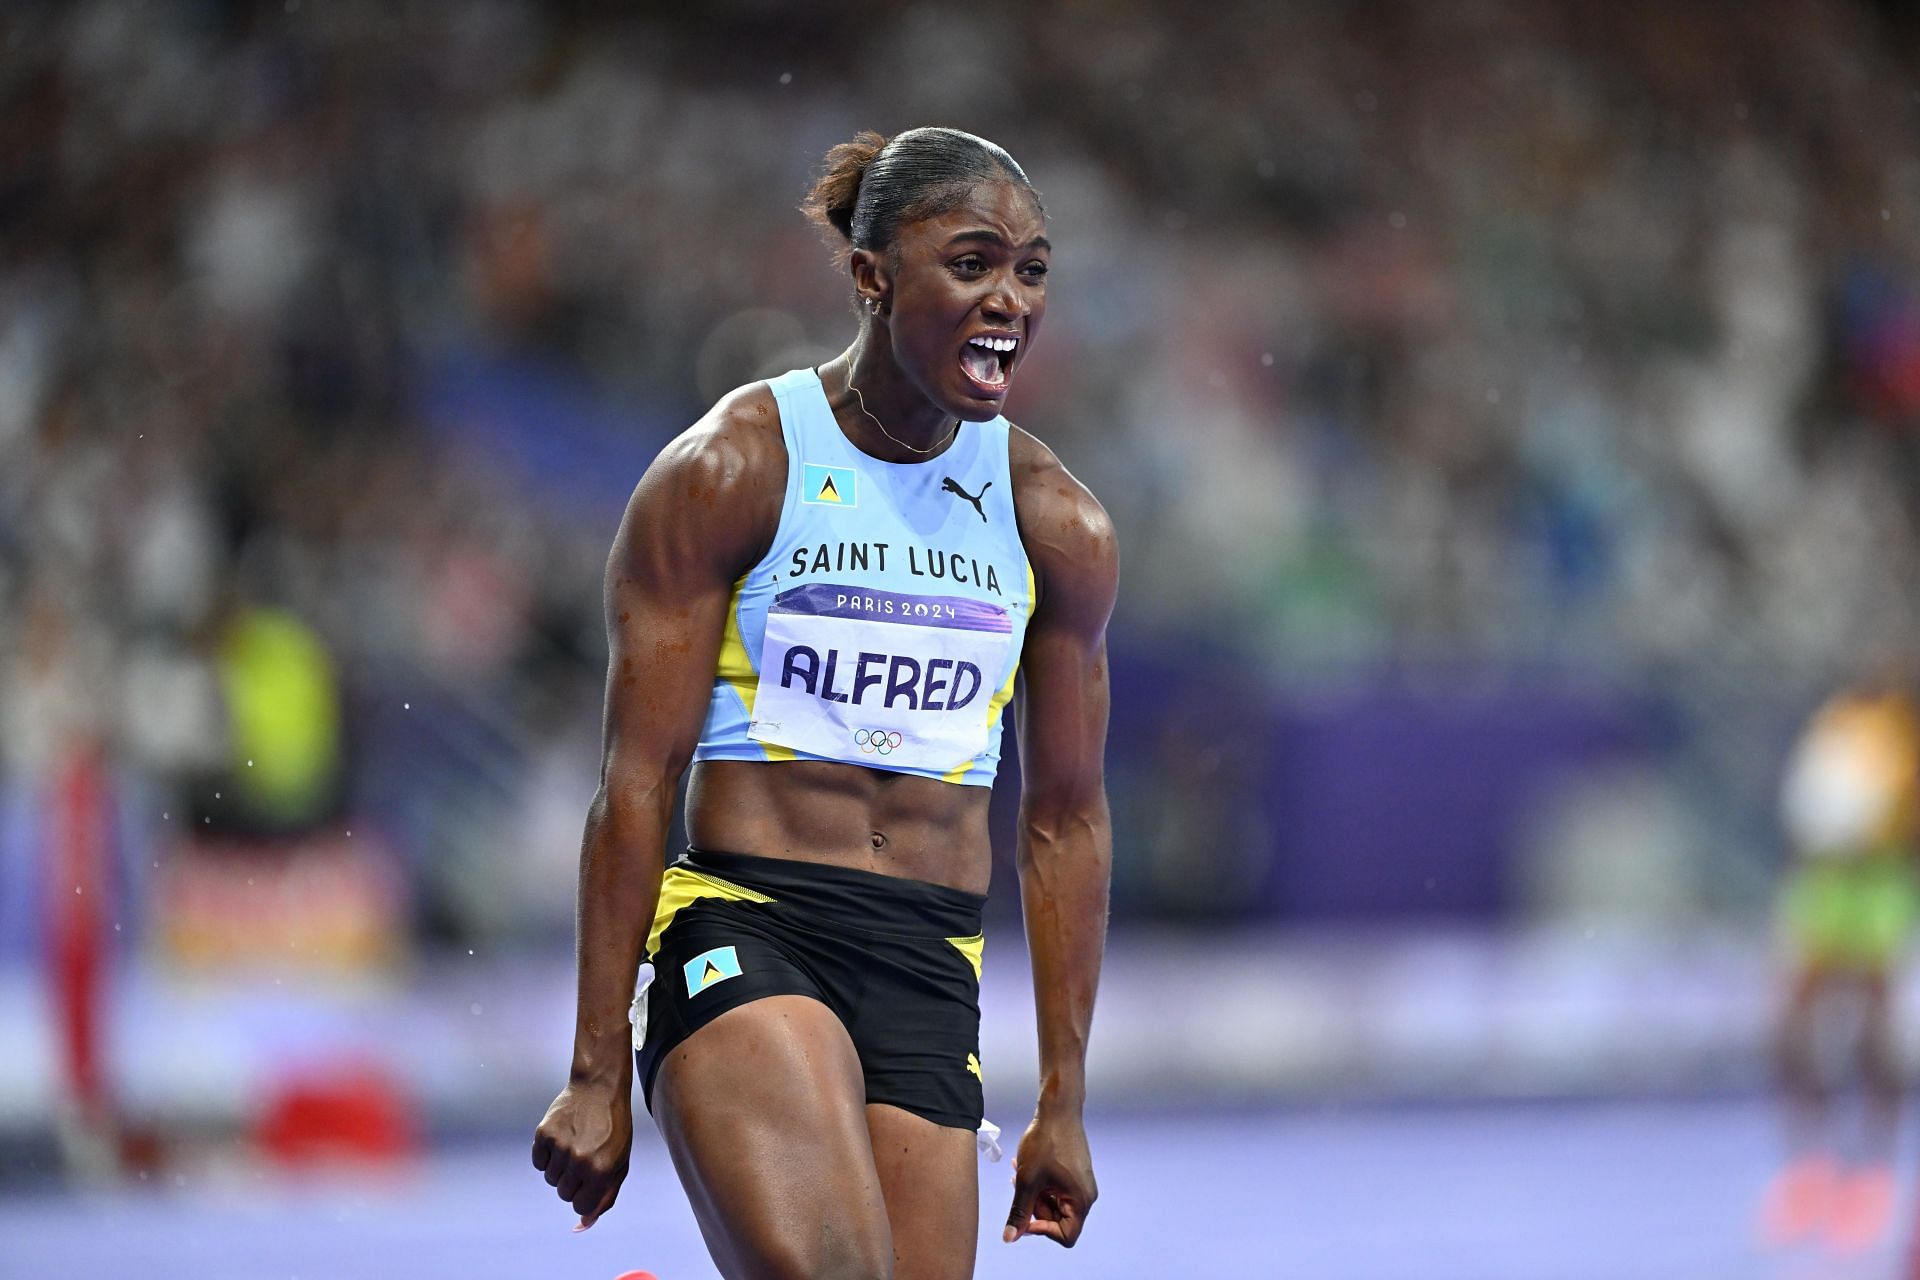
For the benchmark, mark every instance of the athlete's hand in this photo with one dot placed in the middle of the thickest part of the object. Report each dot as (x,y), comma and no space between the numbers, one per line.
(1053,1184)
(582,1145)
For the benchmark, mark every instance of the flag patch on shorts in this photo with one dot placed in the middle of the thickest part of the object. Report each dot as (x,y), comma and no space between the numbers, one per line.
(710,967)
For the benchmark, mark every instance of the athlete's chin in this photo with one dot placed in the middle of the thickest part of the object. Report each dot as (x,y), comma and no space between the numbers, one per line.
(977,413)
(976,401)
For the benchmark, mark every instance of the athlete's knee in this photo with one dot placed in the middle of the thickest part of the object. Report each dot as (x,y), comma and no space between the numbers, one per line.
(798,1268)
(833,1254)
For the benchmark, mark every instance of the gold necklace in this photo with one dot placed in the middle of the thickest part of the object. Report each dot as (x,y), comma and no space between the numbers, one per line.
(883,427)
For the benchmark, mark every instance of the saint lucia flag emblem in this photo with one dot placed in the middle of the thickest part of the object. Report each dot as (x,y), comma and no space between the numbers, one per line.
(710,967)
(828,486)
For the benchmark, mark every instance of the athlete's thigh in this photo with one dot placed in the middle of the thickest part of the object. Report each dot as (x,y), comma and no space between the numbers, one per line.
(929,1174)
(763,1112)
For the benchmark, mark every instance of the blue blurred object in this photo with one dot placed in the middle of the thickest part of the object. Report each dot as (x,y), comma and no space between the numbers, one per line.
(1655,1191)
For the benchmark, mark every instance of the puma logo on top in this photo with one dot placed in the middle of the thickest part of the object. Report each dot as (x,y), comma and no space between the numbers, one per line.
(949,485)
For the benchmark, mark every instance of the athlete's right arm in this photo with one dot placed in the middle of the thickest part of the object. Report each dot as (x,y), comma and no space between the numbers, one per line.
(703,513)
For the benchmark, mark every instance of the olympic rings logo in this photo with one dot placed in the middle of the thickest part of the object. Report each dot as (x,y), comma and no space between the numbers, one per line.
(880,741)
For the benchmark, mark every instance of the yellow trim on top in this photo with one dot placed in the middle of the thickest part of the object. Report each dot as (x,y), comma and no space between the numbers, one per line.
(736,668)
(1001,697)
(681,887)
(974,949)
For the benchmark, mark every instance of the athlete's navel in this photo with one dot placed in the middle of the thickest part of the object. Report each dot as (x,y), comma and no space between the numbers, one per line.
(879,842)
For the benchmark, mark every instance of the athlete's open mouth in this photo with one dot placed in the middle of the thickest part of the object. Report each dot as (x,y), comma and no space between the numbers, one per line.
(988,359)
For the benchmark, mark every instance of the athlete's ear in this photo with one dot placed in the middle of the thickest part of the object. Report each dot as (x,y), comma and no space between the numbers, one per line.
(872,281)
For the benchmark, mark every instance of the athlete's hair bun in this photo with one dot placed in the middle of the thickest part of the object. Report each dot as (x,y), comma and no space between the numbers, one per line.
(869,188)
(831,201)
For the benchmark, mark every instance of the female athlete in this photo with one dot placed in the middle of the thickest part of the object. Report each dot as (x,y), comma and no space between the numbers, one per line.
(819,596)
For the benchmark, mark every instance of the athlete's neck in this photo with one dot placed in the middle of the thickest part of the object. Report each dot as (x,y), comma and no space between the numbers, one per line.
(899,423)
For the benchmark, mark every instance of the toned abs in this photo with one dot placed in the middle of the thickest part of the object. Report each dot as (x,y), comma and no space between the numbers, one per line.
(895,824)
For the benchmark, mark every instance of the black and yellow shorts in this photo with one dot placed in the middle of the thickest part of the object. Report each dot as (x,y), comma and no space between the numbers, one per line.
(898,961)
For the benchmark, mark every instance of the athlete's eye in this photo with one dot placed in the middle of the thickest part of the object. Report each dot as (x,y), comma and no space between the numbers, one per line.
(972,264)
(1034,271)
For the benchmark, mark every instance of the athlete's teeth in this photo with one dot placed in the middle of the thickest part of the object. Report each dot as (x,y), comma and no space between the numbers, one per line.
(986,367)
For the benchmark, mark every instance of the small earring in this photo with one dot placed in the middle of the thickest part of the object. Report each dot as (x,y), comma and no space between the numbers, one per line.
(873,305)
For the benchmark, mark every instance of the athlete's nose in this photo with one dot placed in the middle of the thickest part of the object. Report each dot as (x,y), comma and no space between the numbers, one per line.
(1004,304)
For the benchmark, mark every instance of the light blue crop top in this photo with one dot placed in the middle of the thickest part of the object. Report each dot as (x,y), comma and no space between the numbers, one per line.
(883,626)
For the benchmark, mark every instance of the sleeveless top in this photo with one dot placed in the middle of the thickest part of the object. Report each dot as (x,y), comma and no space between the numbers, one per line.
(883,626)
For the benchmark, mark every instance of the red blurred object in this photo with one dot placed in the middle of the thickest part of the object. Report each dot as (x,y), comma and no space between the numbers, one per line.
(1862,1210)
(351,1114)
(327,902)
(1885,356)
(77,926)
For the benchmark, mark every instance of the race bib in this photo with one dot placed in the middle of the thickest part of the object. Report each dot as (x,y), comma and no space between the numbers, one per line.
(879,677)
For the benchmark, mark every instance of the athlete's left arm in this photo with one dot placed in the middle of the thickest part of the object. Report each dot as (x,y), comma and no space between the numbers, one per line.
(1065,846)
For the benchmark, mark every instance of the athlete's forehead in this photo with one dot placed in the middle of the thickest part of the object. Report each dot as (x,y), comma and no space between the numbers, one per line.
(1000,214)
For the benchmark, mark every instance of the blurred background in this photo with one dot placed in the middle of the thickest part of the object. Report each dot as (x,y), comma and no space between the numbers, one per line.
(1511,412)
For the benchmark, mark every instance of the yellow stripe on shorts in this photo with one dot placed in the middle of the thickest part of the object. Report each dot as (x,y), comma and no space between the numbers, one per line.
(681,887)
(974,949)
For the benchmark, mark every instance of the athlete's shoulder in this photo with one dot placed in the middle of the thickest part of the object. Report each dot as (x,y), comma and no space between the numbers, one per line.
(736,445)
(720,483)
(1068,535)
(1052,502)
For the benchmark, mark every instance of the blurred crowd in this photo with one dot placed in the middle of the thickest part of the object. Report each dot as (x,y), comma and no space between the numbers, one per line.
(1503,337)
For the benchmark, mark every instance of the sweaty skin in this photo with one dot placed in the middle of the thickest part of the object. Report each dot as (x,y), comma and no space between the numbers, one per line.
(763,1109)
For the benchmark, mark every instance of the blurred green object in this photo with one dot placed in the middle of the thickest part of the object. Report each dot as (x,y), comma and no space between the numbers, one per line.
(283,711)
(1852,914)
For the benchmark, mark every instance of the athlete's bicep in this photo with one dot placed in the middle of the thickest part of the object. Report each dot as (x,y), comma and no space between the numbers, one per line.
(1062,715)
(1062,706)
(689,530)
